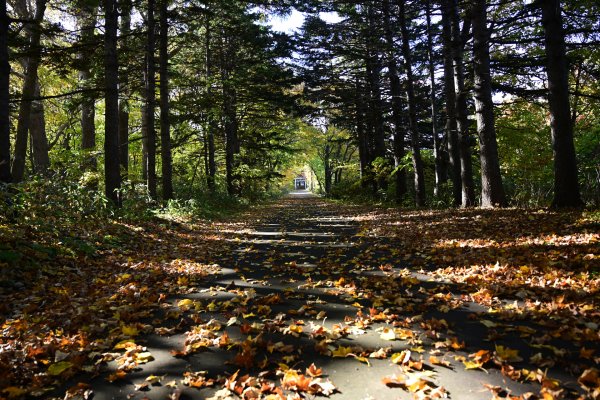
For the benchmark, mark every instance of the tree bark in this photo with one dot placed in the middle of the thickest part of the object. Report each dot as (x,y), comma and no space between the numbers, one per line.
(450,94)
(86,21)
(144,130)
(125,92)
(211,167)
(440,175)
(112,173)
(230,123)
(374,76)
(361,133)
(150,104)
(29,85)
(462,112)
(327,165)
(231,137)
(37,131)
(419,179)
(396,92)
(566,183)
(492,192)
(165,126)
(5,175)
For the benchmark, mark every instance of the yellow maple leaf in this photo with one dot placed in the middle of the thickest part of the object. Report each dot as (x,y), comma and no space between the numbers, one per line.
(144,357)
(341,351)
(125,345)
(185,304)
(129,330)
(364,360)
(506,354)
(472,364)
(14,392)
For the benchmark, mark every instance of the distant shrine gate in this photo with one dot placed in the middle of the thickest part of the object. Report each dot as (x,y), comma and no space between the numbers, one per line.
(300,183)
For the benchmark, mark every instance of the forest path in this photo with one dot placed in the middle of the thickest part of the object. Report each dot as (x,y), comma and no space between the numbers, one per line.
(304,282)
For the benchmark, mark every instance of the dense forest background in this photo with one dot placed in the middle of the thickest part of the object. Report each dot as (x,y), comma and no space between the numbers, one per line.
(141,139)
(443,103)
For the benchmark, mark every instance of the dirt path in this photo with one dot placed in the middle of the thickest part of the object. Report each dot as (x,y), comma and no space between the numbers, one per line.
(303,284)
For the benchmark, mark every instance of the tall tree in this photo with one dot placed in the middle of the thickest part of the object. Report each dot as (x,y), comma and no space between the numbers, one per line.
(86,22)
(450,97)
(124,89)
(419,178)
(112,173)
(37,132)
(492,192)
(373,70)
(440,173)
(566,184)
(150,94)
(462,112)
(165,127)
(29,84)
(230,121)
(5,176)
(211,125)
(396,93)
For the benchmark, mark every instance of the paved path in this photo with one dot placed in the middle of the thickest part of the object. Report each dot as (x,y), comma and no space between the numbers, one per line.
(301,259)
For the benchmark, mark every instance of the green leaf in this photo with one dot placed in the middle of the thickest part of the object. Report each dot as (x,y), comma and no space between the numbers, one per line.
(59,368)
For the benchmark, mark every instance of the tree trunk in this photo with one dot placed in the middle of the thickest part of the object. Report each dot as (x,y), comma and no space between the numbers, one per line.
(419,179)
(165,127)
(37,131)
(362,134)
(230,125)
(492,192)
(327,165)
(86,21)
(462,112)
(5,175)
(450,94)
(396,92)
(144,130)
(566,184)
(150,104)
(211,169)
(231,139)
(125,91)
(112,174)
(440,175)
(374,76)
(29,85)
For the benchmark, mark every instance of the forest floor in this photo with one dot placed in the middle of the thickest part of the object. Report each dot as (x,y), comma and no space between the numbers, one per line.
(302,298)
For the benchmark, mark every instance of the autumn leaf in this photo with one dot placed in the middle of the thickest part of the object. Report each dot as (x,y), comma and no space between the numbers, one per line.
(116,376)
(590,379)
(401,358)
(129,330)
(14,392)
(341,351)
(59,368)
(437,361)
(313,371)
(153,379)
(387,334)
(395,381)
(506,354)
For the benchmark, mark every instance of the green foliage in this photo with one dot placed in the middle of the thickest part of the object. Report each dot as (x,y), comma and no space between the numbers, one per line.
(525,154)
(204,205)
(587,146)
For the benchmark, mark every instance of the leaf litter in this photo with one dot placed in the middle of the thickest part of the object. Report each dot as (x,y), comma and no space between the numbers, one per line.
(529,279)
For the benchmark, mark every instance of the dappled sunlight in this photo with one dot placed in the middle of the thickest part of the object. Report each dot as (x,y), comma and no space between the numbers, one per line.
(297,298)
